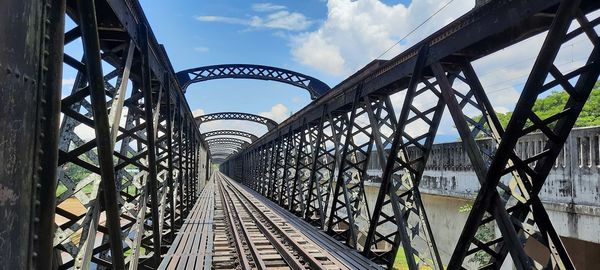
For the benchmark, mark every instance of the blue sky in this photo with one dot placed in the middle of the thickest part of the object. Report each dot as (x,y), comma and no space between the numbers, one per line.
(326,39)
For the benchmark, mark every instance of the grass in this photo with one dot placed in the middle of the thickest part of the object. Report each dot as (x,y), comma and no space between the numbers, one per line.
(400,262)
(130,251)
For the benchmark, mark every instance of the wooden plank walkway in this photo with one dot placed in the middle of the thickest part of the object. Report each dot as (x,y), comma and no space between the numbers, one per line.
(192,247)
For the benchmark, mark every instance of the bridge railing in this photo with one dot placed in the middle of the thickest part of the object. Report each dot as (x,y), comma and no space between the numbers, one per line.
(580,153)
(103,176)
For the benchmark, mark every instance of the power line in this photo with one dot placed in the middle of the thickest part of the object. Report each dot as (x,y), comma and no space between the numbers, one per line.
(415,29)
(526,76)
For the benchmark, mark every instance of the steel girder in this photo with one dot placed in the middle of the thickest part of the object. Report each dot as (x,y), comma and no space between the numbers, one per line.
(432,76)
(315,87)
(236,116)
(228,132)
(115,178)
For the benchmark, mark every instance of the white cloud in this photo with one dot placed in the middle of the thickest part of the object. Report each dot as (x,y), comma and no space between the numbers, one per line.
(266,7)
(278,113)
(278,18)
(313,50)
(68,82)
(283,20)
(198,112)
(201,49)
(222,19)
(356,32)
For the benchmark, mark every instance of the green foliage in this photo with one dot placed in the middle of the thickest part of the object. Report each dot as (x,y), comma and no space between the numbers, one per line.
(465,208)
(484,234)
(555,102)
(400,262)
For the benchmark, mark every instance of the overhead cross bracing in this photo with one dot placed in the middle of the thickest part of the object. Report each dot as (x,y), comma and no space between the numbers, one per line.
(106,175)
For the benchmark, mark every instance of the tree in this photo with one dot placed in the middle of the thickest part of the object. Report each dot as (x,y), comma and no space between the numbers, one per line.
(554,103)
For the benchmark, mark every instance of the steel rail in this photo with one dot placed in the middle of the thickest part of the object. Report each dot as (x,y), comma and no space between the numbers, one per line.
(285,253)
(311,260)
(237,235)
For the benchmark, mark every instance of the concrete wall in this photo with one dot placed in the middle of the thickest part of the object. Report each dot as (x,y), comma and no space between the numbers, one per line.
(573,180)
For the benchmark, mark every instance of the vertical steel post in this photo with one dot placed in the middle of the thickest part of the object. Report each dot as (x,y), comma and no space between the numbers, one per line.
(150,144)
(180,155)
(51,79)
(170,184)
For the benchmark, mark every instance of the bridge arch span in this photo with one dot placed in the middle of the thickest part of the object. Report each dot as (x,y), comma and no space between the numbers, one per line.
(315,87)
(229,132)
(236,116)
(216,141)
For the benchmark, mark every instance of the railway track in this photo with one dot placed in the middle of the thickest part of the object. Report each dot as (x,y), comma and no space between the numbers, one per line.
(248,235)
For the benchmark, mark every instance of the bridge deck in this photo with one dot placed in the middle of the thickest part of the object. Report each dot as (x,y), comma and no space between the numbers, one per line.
(206,240)
(192,248)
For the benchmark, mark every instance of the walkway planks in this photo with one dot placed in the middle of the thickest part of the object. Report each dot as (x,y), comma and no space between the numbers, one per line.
(192,248)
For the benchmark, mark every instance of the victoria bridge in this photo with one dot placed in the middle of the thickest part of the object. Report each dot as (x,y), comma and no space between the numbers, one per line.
(116,174)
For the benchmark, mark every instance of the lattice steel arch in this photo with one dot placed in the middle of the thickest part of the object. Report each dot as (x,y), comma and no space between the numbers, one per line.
(315,87)
(223,153)
(226,151)
(236,116)
(229,132)
(215,141)
(233,147)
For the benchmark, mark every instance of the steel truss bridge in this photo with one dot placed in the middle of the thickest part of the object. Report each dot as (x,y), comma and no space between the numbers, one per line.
(105,175)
